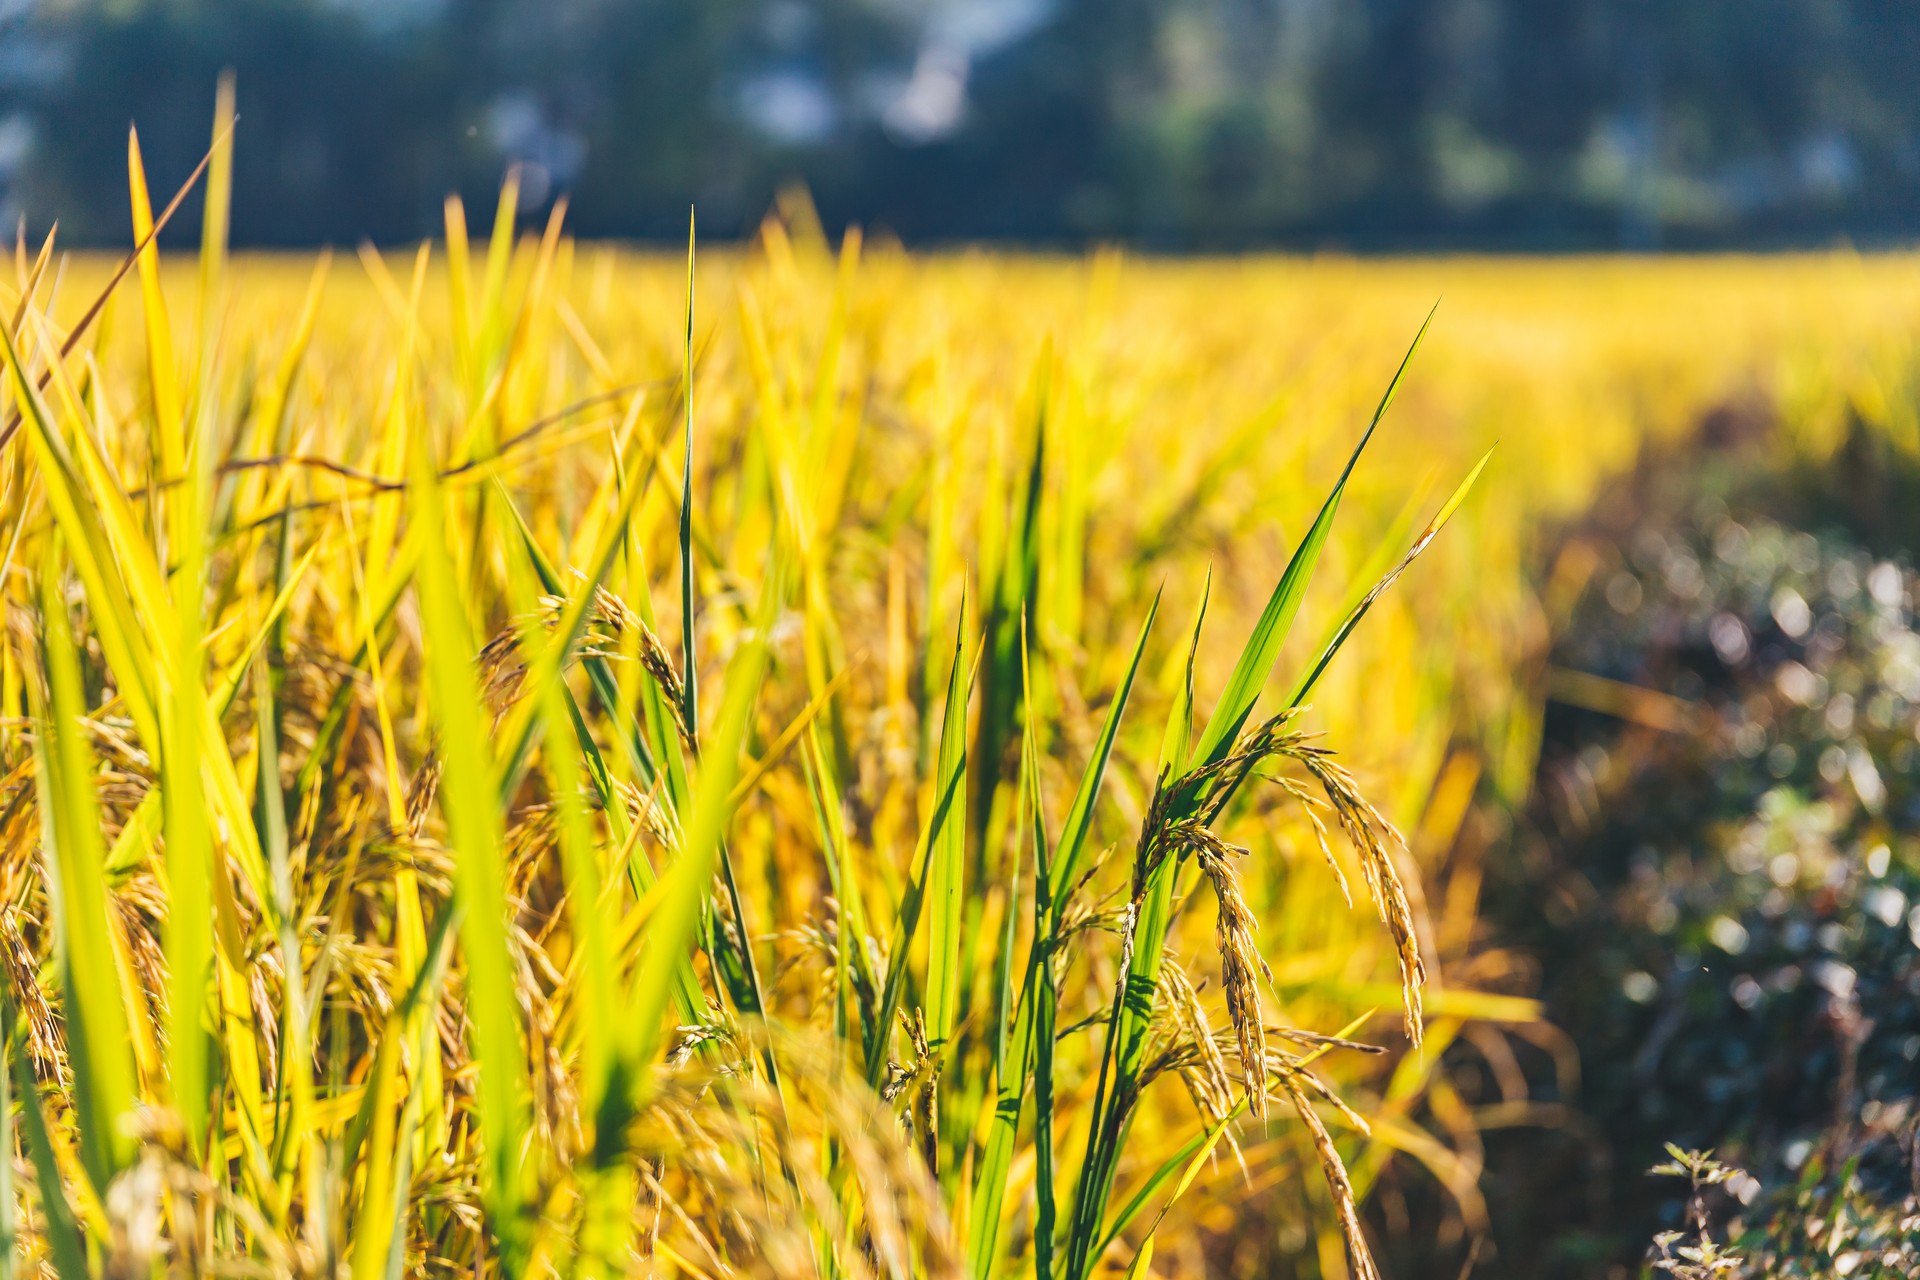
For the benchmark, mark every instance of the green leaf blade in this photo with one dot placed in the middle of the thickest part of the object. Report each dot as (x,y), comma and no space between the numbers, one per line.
(946,853)
(1262,650)
(471,806)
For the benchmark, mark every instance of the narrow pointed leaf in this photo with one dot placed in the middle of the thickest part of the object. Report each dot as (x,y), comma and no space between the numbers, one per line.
(1312,674)
(1065,860)
(686,885)
(946,853)
(468,799)
(58,1223)
(1262,649)
(98,1042)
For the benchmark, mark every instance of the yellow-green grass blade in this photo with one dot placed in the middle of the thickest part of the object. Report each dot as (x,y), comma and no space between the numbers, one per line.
(776,751)
(1262,649)
(215,214)
(374,1143)
(499,257)
(189,936)
(1185,1162)
(946,854)
(115,621)
(460,290)
(131,846)
(228,689)
(131,553)
(395,433)
(98,1041)
(400,1206)
(470,803)
(163,374)
(689,665)
(685,886)
(293,1090)
(594,1000)
(1013,1038)
(1064,862)
(1177,739)
(9,1050)
(58,1223)
(1304,685)
(30,283)
(276,422)
(293,1094)
(196,773)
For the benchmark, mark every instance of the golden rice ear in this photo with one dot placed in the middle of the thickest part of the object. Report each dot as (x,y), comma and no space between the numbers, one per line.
(653,656)
(1359,1258)
(426,781)
(1240,961)
(1370,833)
(616,613)
(502,672)
(1398,914)
(920,1082)
(1197,1054)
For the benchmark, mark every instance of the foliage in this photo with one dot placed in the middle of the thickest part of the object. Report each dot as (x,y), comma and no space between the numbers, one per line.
(1724,839)
(1202,124)
(1701,1258)
(1829,1222)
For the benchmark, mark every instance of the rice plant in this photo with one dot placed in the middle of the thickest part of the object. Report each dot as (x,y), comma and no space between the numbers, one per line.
(520,762)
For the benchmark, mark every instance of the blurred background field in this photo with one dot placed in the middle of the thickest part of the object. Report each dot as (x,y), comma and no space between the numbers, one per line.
(1177,125)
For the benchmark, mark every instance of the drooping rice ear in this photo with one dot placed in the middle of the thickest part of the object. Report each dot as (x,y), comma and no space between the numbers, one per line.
(653,657)
(1370,834)
(1359,1257)
(1241,964)
(426,782)
(1398,914)
(1215,1094)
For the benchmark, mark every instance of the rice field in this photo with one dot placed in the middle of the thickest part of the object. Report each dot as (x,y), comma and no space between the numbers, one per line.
(527,757)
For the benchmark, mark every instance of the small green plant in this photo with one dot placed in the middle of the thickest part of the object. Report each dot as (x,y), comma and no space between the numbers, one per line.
(1700,1257)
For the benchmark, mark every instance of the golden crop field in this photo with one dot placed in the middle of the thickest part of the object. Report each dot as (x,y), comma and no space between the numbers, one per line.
(479,800)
